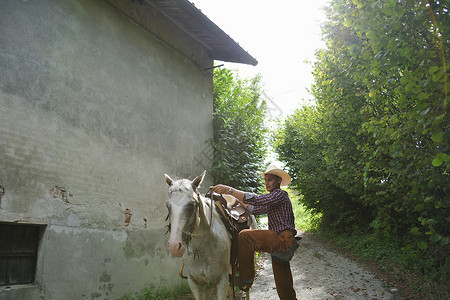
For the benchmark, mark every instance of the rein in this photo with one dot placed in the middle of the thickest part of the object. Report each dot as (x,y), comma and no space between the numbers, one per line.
(212,203)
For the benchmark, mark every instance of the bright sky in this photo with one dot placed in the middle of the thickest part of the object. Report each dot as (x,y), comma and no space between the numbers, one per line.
(281,36)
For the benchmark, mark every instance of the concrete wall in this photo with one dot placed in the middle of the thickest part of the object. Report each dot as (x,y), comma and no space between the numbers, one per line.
(93,111)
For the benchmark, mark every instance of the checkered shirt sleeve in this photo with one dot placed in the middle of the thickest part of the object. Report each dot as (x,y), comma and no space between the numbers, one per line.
(278,207)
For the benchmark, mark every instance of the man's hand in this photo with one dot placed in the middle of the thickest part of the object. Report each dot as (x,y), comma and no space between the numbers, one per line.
(224,189)
(220,188)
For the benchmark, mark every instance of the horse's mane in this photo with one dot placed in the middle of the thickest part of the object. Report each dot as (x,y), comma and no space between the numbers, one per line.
(181,185)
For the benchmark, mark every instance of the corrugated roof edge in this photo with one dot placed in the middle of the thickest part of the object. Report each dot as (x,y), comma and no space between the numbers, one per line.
(232,51)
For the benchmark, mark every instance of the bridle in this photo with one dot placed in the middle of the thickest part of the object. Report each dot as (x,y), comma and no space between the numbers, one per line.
(187,236)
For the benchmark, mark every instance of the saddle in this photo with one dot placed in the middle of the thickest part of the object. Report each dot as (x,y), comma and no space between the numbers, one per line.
(234,215)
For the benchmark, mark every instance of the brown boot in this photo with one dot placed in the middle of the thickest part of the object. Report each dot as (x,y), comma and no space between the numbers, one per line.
(244,285)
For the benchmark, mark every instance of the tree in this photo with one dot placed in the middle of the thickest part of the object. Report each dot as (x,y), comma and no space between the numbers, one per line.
(380,125)
(240,135)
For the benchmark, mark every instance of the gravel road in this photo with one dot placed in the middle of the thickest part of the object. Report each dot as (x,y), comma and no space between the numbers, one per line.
(321,273)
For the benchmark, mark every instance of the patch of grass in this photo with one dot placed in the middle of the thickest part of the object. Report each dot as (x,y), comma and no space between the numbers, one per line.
(158,293)
(304,219)
(318,255)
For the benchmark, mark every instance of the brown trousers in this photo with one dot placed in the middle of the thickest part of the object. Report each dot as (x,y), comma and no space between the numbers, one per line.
(251,240)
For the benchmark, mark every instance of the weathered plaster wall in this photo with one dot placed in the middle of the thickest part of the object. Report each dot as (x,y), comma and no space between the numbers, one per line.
(93,112)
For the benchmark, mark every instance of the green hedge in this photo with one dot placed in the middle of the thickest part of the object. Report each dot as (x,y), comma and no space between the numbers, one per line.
(372,155)
(240,133)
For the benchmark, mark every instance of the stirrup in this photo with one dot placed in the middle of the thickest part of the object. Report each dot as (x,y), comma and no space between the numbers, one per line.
(242,295)
(244,285)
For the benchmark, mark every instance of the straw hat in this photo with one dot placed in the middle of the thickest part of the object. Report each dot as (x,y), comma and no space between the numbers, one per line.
(272,169)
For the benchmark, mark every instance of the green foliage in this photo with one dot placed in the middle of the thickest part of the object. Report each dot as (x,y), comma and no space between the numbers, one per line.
(304,219)
(154,293)
(239,132)
(373,155)
(304,149)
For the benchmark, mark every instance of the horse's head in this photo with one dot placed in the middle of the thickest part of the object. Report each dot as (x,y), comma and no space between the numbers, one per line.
(183,206)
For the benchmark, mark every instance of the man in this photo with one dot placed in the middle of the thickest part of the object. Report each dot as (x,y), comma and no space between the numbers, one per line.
(279,239)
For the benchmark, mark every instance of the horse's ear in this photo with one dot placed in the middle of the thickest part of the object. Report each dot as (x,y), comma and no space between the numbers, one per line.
(168,180)
(198,180)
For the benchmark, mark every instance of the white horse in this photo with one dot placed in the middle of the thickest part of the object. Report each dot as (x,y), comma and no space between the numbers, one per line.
(198,235)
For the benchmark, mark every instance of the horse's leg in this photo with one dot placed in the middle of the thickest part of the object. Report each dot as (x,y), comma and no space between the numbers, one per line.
(198,291)
(223,288)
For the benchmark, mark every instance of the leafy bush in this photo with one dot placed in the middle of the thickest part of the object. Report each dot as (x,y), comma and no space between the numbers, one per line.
(239,131)
(155,293)
(372,155)
(304,219)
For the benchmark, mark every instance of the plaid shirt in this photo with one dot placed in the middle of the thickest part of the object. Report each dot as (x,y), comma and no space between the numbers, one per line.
(278,207)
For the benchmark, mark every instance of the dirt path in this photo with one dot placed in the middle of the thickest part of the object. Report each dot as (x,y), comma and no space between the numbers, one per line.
(321,273)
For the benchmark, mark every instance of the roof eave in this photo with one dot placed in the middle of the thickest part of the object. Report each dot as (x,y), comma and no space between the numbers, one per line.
(232,51)
(184,28)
